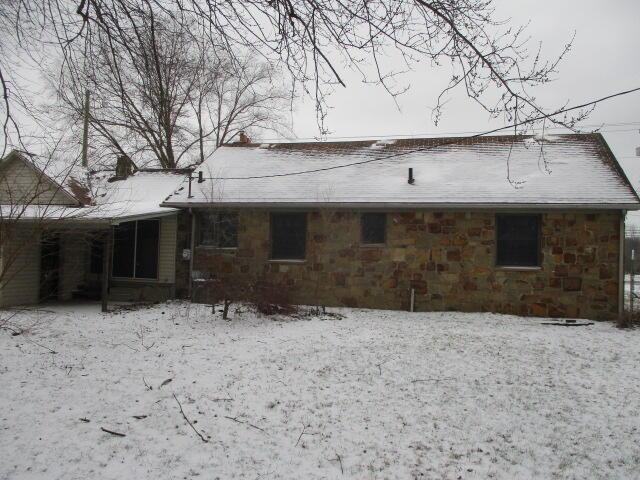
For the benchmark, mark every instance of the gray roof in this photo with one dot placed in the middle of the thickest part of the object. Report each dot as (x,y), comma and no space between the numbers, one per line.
(575,170)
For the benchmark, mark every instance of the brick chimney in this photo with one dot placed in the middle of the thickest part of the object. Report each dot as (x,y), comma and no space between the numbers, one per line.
(124,167)
(243,138)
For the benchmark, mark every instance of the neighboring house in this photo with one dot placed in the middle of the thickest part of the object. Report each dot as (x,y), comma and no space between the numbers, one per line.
(523,225)
(57,220)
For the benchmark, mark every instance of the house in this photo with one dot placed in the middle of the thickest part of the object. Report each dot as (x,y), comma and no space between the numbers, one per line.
(57,220)
(529,225)
(525,225)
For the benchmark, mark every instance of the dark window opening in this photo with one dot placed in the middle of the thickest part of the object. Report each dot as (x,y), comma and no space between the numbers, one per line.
(97,255)
(288,236)
(518,240)
(49,266)
(124,245)
(135,249)
(373,228)
(147,249)
(218,229)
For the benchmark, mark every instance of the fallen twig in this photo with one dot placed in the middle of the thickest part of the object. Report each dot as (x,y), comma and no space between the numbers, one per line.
(140,417)
(85,420)
(166,382)
(140,335)
(379,365)
(189,421)
(5,325)
(117,434)
(149,387)
(40,345)
(304,432)
(235,419)
(339,459)
(124,345)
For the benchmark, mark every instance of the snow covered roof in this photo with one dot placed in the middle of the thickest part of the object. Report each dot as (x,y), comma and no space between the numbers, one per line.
(139,195)
(577,170)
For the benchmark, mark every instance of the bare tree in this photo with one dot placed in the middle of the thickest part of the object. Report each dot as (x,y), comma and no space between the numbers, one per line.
(161,89)
(314,40)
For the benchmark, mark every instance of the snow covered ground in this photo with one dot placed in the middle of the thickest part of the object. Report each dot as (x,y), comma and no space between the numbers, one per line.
(375,394)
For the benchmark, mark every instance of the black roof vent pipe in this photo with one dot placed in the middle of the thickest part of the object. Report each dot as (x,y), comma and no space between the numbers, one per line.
(411,179)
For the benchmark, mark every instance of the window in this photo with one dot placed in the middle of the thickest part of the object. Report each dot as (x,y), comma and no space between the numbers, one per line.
(518,240)
(97,254)
(373,228)
(218,229)
(135,249)
(288,236)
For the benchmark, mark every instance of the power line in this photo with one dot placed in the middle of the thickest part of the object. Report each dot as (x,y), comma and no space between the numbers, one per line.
(430,147)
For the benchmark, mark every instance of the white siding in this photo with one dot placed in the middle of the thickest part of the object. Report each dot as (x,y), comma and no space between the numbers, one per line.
(167,249)
(21,283)
(22,184)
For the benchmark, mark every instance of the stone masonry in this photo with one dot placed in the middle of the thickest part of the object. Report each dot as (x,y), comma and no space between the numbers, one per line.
(446,256)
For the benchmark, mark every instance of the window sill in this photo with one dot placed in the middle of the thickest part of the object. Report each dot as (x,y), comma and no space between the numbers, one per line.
(287,261)
(135,280)
(373,245)
(218,249)
(518,268)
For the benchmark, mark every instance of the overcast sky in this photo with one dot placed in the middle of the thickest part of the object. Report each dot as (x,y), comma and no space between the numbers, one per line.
(604,60)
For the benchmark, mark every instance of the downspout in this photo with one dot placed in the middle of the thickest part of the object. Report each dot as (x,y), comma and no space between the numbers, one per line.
(623,214)
(106,265)
(412,300)
(192,247)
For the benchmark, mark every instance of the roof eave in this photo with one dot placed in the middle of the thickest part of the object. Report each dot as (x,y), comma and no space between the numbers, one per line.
(411,205)
(143,216)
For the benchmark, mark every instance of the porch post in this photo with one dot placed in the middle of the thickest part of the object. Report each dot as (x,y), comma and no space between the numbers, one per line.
(106,256)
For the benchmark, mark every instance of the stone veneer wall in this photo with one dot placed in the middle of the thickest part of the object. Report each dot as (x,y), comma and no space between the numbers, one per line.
(447,257)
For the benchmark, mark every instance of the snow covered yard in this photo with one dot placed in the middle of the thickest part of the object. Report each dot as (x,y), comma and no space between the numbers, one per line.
(375,394)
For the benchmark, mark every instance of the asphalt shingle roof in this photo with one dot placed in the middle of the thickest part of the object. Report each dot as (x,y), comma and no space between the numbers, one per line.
(564,170)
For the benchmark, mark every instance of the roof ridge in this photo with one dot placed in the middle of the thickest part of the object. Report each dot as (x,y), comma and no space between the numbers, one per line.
(402,140)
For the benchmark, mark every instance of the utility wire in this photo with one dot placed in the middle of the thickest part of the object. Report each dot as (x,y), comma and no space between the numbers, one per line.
(430,147)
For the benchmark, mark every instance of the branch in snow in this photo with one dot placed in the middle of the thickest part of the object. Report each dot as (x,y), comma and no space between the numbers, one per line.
(205,440)
(116,434)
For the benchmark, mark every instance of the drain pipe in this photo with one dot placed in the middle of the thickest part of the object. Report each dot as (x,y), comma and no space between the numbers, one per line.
(621,276)
(412,301)
(192,246)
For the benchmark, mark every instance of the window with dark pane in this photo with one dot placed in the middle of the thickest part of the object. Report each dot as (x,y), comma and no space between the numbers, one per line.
(206,231)
(135,249)
(147,249)
(288,236)
(227,230)
(124,245)
(218,229)
(518,240)
(373,228)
